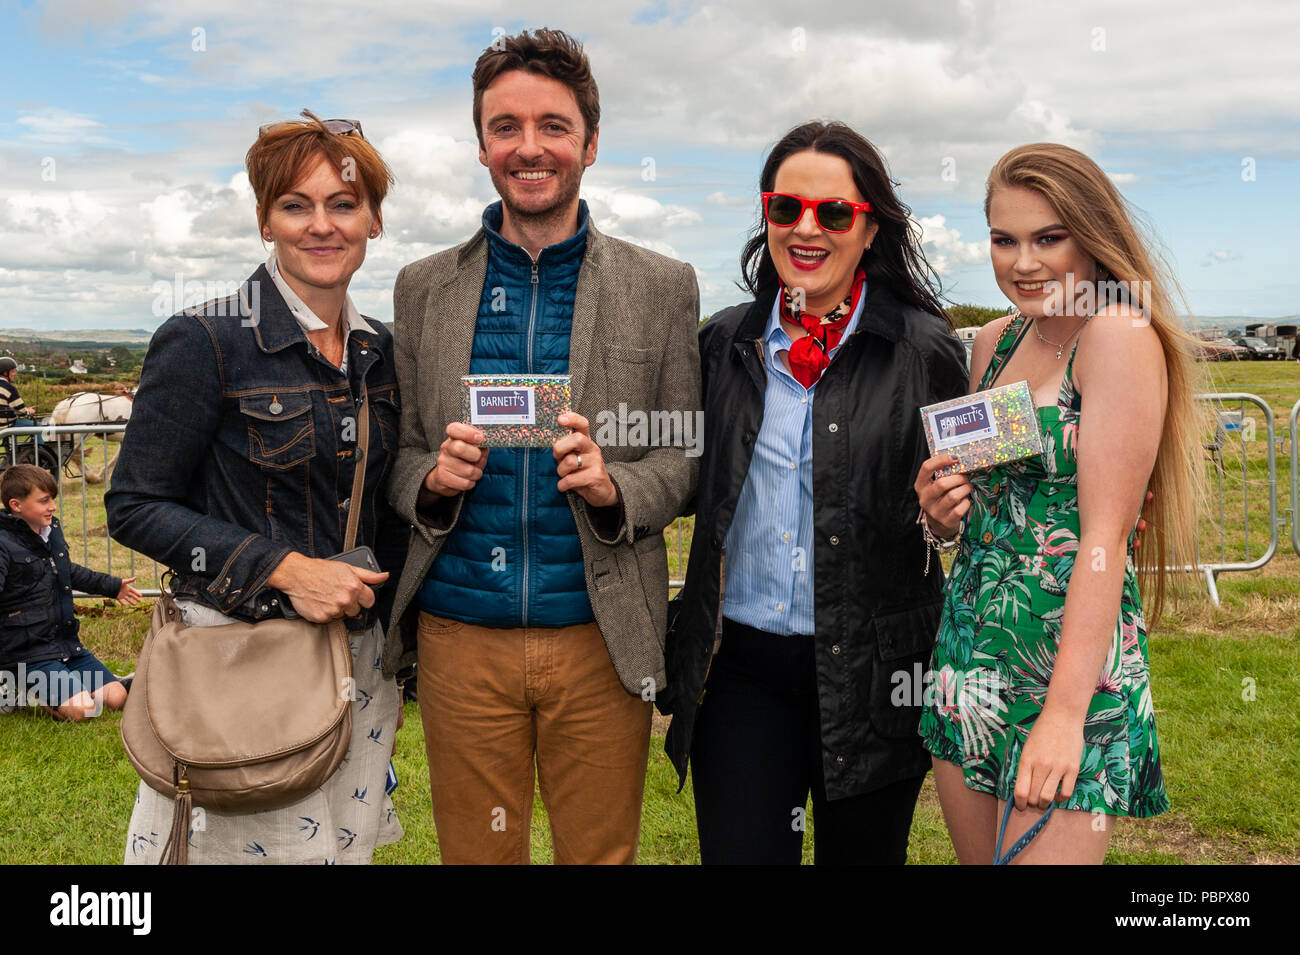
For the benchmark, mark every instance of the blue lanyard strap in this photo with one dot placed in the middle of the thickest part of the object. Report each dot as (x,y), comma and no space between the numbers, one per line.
(1019,845)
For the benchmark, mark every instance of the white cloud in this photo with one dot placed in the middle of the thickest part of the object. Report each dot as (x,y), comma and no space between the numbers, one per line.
(1218,256)
(59,126)
(622,210)
(944,247)
(441,188)
(723,199)
(705,89)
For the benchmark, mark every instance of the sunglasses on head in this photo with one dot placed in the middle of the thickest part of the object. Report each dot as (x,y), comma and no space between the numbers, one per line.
(339,127)
(833,215)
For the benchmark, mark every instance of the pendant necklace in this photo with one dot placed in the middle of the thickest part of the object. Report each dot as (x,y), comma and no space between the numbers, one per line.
(1060,346)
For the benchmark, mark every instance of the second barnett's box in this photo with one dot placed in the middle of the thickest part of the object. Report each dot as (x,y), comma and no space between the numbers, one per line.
(984,429)
(517,411)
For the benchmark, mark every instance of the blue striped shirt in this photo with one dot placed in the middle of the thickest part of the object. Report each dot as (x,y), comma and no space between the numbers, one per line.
(770,541)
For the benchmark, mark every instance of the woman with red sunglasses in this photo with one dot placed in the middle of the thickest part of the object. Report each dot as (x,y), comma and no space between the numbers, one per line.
(807,610)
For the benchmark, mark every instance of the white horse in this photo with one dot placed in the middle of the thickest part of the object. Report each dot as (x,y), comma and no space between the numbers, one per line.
(87,407)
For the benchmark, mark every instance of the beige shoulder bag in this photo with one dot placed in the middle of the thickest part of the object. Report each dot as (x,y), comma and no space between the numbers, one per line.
(245,716)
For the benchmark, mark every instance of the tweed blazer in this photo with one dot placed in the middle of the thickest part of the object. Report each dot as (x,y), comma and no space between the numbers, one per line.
(632,353)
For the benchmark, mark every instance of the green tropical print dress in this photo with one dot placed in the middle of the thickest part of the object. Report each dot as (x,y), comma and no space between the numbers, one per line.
(1001,625)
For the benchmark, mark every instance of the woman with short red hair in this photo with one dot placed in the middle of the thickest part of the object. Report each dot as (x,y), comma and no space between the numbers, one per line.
(236,472)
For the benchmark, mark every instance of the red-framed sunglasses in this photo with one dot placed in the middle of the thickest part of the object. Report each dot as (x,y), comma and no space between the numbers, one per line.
(833,215)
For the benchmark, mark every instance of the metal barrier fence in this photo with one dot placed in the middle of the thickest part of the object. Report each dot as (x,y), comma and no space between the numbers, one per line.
(677,582)
(60,448)
(1234,430)
(1294,513)
(65,447)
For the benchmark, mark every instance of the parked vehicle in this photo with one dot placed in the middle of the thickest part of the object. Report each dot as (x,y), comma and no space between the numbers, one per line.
(1223,349)
(1261,350)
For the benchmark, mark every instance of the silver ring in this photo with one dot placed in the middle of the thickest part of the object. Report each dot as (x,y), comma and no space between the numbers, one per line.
(580,462)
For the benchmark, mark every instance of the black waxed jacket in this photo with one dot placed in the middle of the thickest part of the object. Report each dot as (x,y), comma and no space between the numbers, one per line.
(38,619)
(876,611)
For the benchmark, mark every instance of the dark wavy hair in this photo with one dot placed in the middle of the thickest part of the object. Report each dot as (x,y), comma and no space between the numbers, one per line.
(895,259)
(545,52)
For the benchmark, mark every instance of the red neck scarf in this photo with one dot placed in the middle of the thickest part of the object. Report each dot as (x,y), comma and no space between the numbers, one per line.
(811,355)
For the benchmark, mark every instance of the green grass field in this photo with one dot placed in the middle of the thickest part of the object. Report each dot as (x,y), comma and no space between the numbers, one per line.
(1225,681)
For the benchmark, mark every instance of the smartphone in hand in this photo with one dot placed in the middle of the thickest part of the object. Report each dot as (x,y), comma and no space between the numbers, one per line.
(362,557)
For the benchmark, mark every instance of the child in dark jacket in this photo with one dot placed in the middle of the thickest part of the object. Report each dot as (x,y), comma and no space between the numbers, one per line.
(41,659)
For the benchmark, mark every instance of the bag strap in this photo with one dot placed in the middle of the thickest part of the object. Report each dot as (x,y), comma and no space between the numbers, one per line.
(1002,363)
(1004,858)
(359,473)
(167,597)
(1001,858)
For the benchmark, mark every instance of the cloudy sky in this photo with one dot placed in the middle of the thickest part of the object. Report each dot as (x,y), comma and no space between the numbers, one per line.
(123,128)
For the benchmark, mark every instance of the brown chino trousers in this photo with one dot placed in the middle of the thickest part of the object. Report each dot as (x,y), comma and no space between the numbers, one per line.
(492,701)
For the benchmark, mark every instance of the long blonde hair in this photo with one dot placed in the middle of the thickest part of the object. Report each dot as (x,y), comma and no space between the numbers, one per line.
(1103,224)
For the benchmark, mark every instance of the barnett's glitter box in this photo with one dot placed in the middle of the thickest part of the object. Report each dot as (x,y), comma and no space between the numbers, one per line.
(984,429)
(516,411)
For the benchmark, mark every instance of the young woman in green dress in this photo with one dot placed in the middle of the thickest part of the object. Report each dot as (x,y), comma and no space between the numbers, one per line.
(1039,687)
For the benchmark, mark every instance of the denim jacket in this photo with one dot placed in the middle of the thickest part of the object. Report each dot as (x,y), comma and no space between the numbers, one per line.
(241,447)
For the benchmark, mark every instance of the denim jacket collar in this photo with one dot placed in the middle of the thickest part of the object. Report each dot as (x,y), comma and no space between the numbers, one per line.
(275,328)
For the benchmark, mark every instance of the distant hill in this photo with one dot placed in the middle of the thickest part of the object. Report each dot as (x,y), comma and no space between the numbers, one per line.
(84,337)
(1241,321)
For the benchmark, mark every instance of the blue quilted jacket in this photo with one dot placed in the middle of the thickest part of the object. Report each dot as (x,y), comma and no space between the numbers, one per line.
(514,558)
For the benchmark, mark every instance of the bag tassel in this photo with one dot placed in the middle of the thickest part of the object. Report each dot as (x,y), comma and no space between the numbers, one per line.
(176,851)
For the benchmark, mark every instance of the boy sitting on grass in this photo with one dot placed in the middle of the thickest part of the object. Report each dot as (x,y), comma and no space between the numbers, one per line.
(38,623)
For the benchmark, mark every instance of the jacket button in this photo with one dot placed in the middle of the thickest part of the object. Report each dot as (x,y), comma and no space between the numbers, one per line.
(839,760)
(832,427)
(275,407)
(835,649)
(834,541)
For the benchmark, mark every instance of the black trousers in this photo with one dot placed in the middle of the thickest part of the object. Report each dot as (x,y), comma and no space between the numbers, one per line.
(756,754)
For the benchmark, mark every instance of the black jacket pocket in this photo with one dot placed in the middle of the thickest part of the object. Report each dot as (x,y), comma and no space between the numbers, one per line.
(904,640)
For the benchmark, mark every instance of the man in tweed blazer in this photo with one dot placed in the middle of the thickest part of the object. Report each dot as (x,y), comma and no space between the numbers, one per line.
(536,585)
